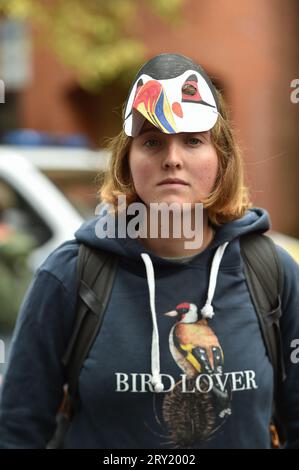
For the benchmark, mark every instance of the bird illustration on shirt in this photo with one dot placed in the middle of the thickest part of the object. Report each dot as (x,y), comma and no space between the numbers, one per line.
(193,344)
(195,417)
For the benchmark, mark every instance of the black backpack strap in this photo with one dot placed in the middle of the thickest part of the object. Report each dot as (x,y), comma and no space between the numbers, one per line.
(264,276)
(95,276)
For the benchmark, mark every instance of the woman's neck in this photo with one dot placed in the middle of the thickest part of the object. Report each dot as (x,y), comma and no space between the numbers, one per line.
(176,247)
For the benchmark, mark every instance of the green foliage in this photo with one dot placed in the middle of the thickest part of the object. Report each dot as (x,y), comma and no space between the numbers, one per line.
(93,37)
(167,9)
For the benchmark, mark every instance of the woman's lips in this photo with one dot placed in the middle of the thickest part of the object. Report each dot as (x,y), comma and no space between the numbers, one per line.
(173,185)
(173,182)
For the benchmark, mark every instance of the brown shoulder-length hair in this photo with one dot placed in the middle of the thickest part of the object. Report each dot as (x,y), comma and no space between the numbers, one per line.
(229,198)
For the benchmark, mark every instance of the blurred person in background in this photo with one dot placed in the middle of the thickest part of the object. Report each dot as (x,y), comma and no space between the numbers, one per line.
(15,246)
(180,360)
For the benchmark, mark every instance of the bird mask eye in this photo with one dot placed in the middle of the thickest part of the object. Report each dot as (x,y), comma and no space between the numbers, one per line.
(188,89)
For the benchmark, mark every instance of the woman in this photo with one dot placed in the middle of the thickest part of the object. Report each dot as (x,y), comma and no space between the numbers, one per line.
(180,360)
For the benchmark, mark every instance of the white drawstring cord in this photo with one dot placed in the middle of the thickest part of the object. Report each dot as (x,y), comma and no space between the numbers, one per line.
(156,378)
(207,311)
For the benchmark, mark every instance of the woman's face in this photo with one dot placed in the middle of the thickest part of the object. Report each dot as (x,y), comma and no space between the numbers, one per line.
(155,157)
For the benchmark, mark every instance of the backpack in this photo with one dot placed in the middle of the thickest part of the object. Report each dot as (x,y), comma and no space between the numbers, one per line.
(96,271)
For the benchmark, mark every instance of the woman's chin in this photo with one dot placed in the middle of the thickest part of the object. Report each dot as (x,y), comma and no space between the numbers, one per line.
(171,200)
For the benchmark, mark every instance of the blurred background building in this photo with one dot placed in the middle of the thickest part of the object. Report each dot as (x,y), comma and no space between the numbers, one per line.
(250,48)
(66,66)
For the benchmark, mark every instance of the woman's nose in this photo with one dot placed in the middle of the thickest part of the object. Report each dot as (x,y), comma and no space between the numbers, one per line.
(172,157)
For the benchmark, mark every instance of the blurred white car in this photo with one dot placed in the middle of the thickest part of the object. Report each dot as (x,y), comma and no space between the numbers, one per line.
(32,203)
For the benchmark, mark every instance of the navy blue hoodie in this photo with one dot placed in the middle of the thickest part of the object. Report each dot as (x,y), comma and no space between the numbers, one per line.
(179,361)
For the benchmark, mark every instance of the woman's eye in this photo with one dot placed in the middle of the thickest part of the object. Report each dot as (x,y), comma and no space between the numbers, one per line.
(194,141)
(152,143)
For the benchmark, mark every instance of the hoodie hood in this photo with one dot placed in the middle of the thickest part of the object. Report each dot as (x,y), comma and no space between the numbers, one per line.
(255,220)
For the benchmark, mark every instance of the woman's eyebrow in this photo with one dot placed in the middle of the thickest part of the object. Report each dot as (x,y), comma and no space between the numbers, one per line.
(150,129)
(154,130)
(203,133)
